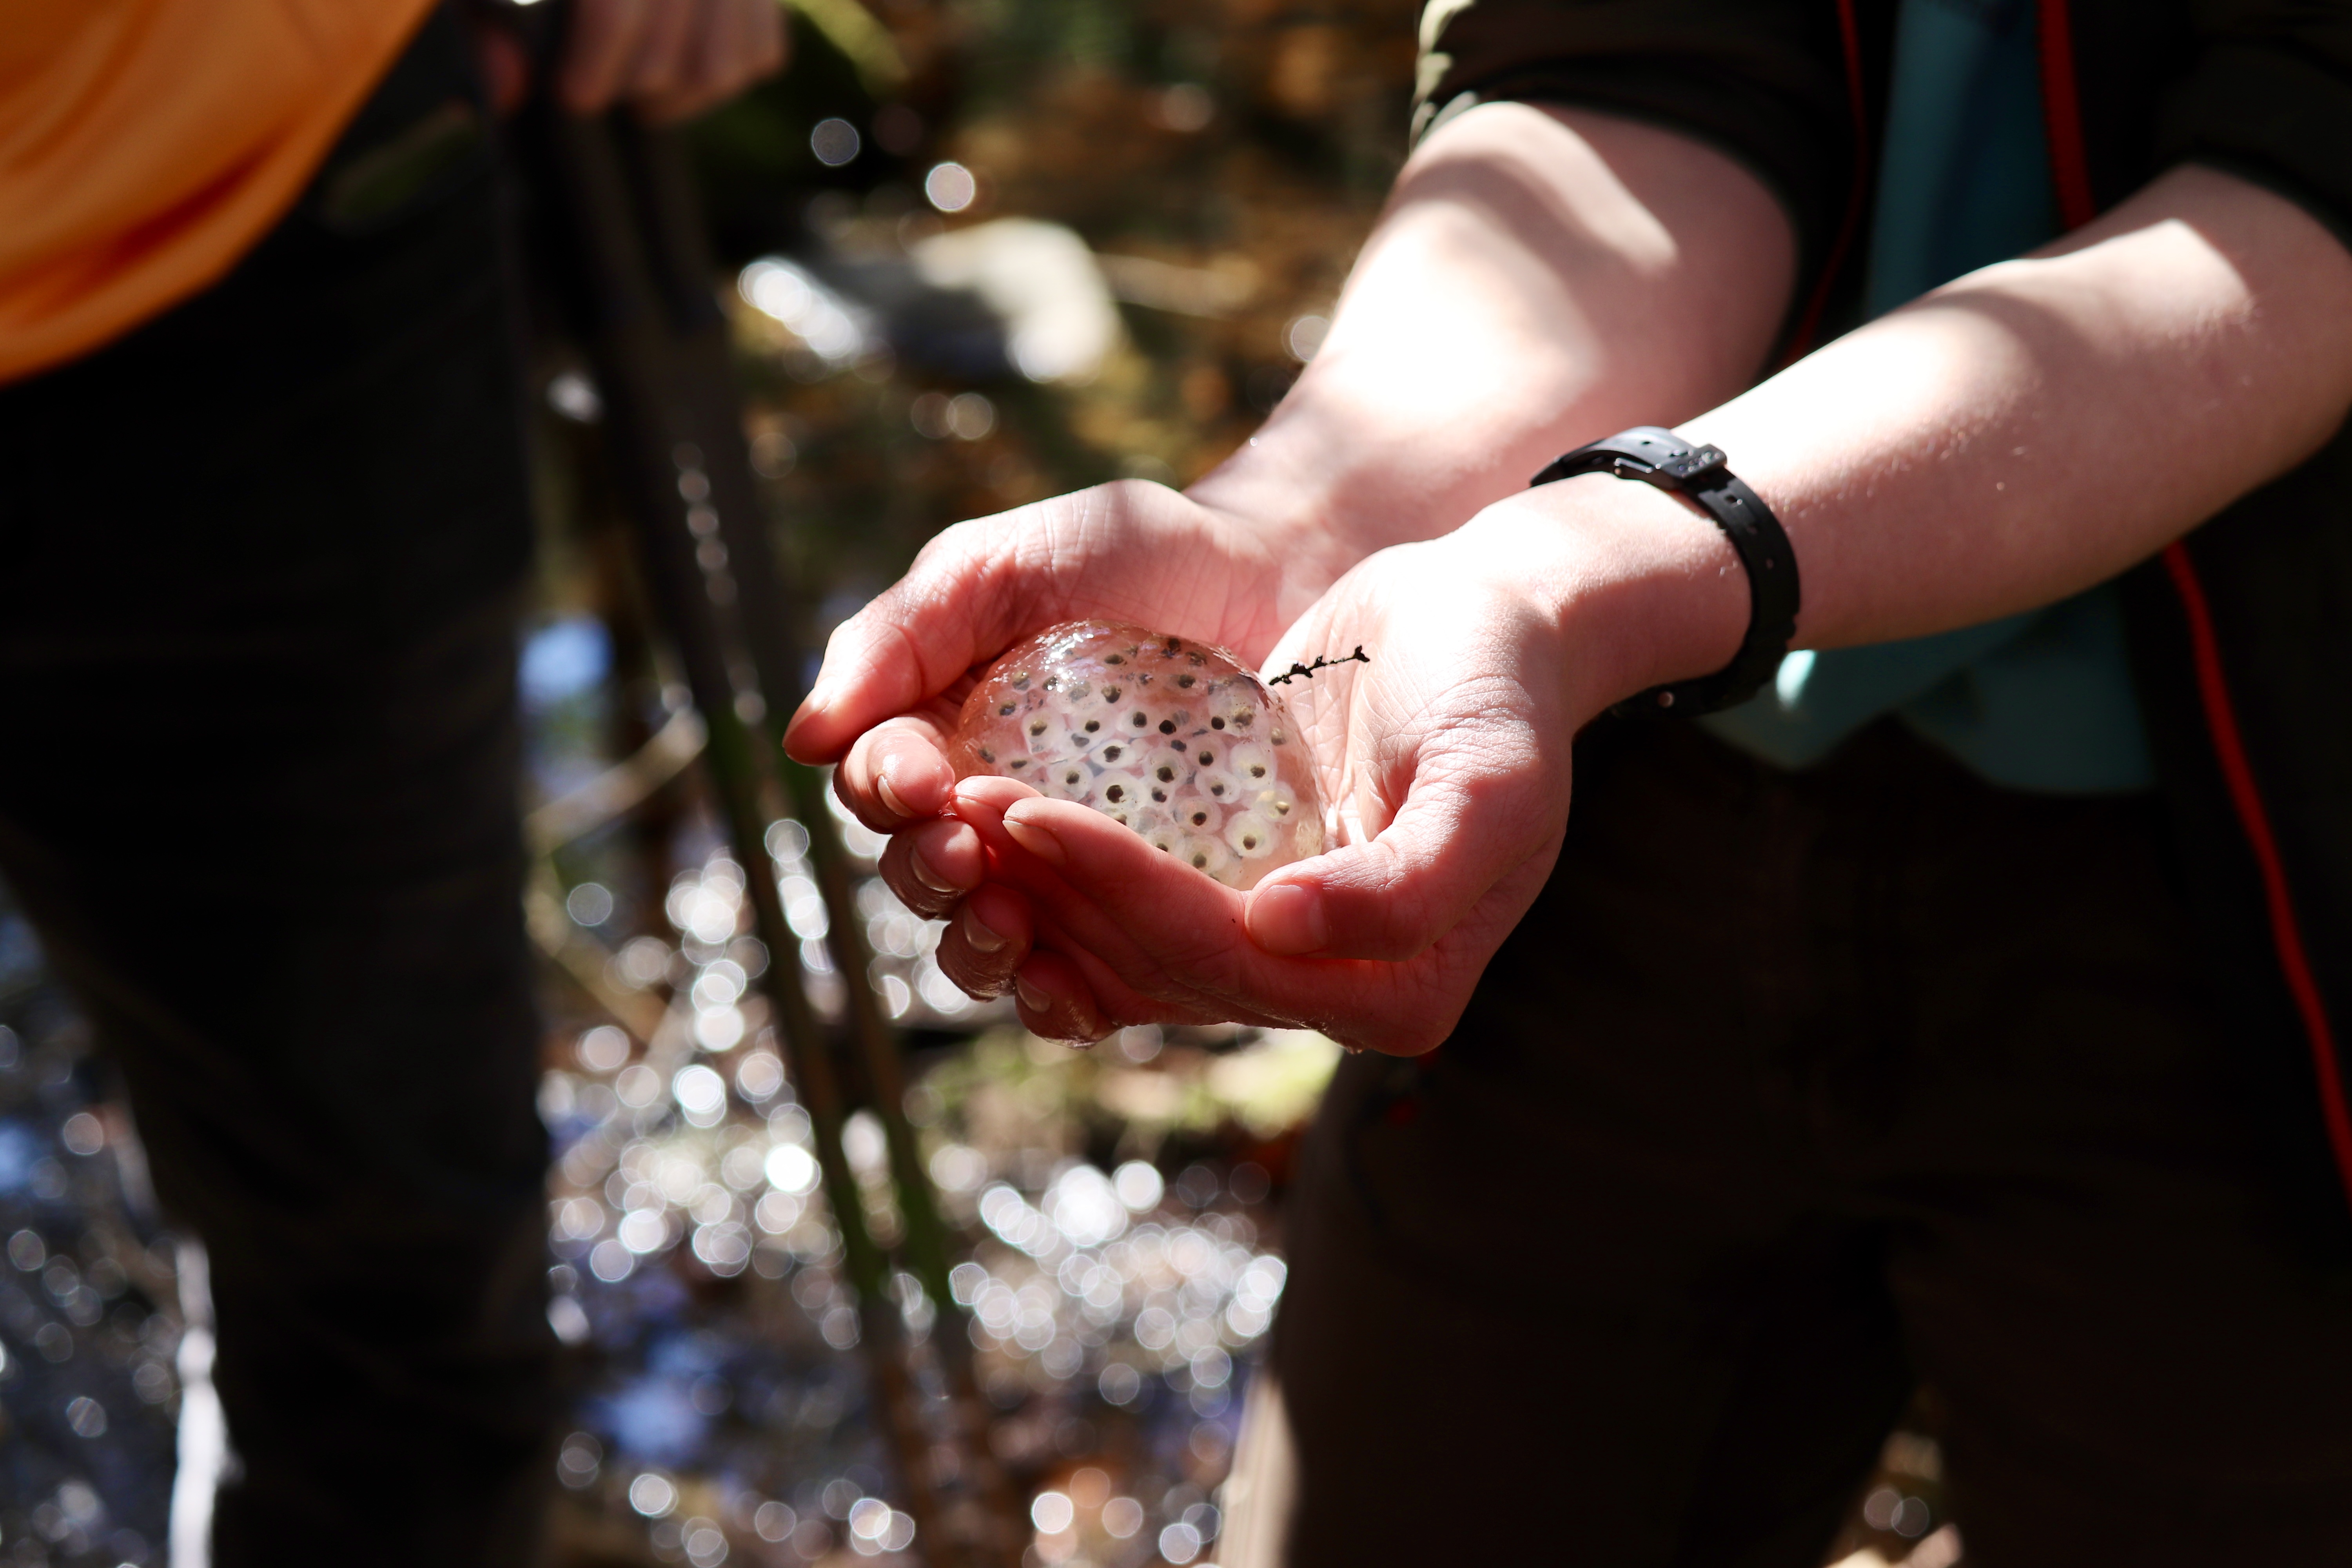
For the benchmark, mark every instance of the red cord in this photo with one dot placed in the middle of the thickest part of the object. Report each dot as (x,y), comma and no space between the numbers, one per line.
(2070,172)
(2295,964)
(2062,111)
(1800,341)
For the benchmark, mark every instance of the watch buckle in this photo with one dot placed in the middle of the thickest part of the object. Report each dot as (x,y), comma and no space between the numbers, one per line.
(1693,463)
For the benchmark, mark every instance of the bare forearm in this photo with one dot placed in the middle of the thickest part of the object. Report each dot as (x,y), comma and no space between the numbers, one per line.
(2038,427)
(2022,433)
(1540,278)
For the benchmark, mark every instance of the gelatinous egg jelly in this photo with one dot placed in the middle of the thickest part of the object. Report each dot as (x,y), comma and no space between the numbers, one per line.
(1173,738)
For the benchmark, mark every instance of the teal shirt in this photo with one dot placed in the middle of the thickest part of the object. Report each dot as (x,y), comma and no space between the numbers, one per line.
(2039,701)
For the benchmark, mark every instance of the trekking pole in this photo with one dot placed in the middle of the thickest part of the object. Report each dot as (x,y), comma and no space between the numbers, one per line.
(657,342)
(683,271)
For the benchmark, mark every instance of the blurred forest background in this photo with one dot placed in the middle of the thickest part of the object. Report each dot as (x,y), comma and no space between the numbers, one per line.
(977,252)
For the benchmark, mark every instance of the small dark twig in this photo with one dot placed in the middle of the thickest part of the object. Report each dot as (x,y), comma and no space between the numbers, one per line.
(1359,657)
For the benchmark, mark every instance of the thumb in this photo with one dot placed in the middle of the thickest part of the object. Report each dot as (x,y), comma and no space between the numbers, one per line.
(912,643)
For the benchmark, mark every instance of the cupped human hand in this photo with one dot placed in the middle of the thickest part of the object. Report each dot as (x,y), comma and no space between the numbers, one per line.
(1445,761)
(896,674)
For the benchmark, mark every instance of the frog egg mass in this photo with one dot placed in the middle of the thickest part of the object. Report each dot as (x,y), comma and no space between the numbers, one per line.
(1173,739)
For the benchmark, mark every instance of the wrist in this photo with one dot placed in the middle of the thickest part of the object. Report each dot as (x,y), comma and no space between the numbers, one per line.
(1296,494)
(1330,481)
(1641,586)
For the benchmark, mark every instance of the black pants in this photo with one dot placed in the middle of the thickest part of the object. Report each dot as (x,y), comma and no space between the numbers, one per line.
(1791,1091)
(260,564)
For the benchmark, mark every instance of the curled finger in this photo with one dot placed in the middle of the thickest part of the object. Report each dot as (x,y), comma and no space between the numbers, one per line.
(987,939)
(931,865)
(602,42)
(663,57)
(1056,1003)
(734,55)
(896,774)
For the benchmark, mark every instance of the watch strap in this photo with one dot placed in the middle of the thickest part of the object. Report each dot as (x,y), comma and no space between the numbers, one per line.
(1658,457)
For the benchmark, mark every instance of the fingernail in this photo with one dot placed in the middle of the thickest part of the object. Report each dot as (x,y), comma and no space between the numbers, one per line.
(1288,918)
(1039,841)
(812,707)
(929,876)
(978,932)
(890,799)
(1036,1001)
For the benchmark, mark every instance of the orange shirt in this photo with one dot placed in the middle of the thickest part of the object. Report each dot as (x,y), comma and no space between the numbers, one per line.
(145,145)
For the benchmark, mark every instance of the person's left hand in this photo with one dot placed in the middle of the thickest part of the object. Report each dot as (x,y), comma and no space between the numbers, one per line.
(1446,763)
(670,59)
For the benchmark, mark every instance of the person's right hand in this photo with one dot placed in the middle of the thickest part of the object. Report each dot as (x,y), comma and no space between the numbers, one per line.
(896,674)
(671,59)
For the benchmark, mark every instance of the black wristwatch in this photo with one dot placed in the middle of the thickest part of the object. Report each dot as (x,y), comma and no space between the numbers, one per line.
(1663,459)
